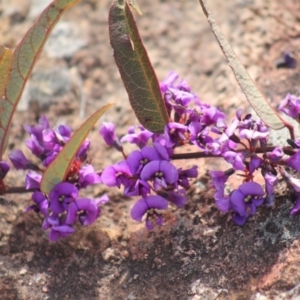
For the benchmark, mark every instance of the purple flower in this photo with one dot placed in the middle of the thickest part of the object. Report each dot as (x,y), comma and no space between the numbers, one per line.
(211,116)
(82,152)
(41,203)
(276,155)
(175,134)
(292,181)
(162,173)
(253,134)
(271,180)
(138,159)
(290,106)
(287,61)
(4,168)
(63,133)
(222,201)
(255,163)
(49,140)
(37,130)
(246,198)
(116,174)
(184,176)
(168,82)
(60,231)
(50,220)
(140,139)
(219,178)
(294,161)
(107,130)
(236,159)
(19,161)
(34,146)
(61,196)
(85,209)
(199,135)
(32,180)
(178,198)
(87,176)
(148,205)
(137,188)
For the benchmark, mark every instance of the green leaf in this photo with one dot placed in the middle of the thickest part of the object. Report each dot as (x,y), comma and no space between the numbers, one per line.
(59,167)
(23,61)
(135,68)
(6,58)
(255,98)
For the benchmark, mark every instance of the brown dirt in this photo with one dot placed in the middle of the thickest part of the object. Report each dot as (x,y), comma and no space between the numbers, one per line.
(198,253)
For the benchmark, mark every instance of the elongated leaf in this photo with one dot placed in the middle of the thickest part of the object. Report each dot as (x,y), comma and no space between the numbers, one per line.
(6,58)
(255,98)
(135,68)
(24,58)
(59,167)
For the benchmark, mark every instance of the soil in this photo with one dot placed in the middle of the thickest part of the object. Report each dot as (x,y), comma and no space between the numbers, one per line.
(198,253)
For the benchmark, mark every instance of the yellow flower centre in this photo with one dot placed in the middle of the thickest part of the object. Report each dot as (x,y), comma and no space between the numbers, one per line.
(247,198)
(159,174)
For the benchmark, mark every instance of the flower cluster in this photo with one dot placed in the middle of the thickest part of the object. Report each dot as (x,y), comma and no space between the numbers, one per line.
(63,207)
(243,144)
(149,173)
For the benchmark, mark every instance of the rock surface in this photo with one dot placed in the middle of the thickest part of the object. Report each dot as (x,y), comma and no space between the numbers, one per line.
(198,253)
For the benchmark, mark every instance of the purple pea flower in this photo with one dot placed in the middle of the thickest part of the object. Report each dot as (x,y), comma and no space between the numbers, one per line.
(292,181)
(222,200)
(4,168)
(178,198)
(60,231)
(19,161)
(149,205)
(211,116)
(140,139)
(168,82)
(34,146)
(61,196)
(294,161)
(49,140)
(290,106)
(138,159)
(50,220)
(87,176)
(236,159)
(82,152)
(116,174)
(286,61)
(271,180)
(175,134)
(37,130)
(107,130)
(32,180)
(219,178)
(162,173)
(255,163)
(184,176)
(85,209)
(199,135)
(245,199)
(41,203)
(63,133)
(276,155)
(137,188)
